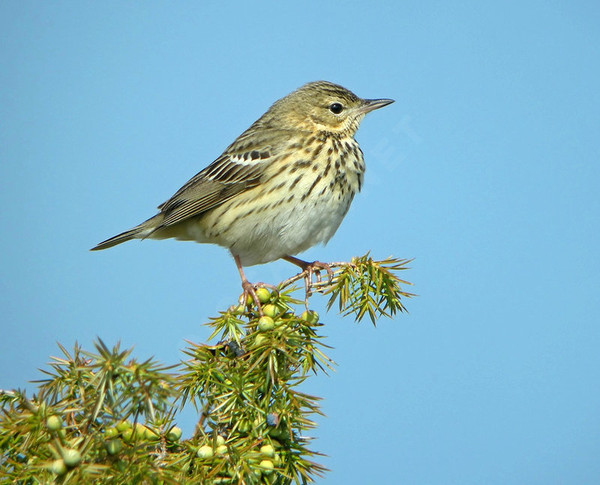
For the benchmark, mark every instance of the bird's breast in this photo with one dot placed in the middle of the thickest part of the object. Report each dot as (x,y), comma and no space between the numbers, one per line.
(300,202)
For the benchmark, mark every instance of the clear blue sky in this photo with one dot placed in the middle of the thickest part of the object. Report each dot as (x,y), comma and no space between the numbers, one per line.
(485,170)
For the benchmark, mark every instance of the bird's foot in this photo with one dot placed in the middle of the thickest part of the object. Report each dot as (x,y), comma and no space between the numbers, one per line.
(310,269)
(250,289)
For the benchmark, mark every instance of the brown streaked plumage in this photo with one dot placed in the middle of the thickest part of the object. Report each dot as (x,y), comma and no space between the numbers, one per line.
(282,186)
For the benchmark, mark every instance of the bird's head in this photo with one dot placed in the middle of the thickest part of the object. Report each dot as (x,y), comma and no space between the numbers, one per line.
(322,106)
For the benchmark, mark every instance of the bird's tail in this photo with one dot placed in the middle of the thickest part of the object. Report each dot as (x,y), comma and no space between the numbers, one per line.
(118,239)
(142,231)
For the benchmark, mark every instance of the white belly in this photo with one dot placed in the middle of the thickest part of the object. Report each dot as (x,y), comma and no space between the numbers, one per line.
(267,235)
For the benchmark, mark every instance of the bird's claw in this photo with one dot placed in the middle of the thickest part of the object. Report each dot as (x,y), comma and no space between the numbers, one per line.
(310,269)
(250,289)
(314,269)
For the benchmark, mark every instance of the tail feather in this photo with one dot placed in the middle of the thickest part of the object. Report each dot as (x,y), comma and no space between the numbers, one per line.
(118,239)
(149,228)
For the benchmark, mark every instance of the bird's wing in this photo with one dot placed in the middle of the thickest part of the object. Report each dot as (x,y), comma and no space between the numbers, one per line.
(230,174)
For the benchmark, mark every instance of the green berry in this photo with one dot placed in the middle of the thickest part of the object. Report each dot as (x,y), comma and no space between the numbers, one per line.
(237,309)
(244,426)
(257,425)
(128,435)
(123,426)
(270,310)
(263,295)
(58,467)
(205,451)
(150,434)
(139,431)
(267,450)
(278,433)
(266,466)
(71,457)
(221,449)
(220,440)
(114,446)
(53,423)
(111,432)
(265,323)
(310,316)
(174,434)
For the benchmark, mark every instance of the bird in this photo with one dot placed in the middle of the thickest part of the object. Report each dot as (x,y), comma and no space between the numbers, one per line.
(284,185)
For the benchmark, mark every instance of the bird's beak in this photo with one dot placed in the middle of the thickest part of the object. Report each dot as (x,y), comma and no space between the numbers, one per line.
(371,104)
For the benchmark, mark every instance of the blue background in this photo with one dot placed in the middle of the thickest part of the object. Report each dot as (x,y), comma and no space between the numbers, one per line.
(485,170)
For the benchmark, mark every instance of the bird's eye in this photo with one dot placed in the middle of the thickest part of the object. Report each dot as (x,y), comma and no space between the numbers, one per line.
(336,108)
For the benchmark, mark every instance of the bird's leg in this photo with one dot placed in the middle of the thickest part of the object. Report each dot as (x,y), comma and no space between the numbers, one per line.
(314,267)
(248,287)
(309,269)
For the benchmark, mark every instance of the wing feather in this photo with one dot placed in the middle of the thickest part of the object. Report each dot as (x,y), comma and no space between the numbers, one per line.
(241,167)
(226,177)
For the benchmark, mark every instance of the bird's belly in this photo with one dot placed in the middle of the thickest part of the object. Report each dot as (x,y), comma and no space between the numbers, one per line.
(262,233)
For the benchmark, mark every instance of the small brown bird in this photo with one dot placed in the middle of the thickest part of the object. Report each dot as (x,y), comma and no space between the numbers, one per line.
(283,186)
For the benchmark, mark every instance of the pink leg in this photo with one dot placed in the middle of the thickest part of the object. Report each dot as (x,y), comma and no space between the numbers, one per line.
(246,285)
(249,288)
(310,268)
